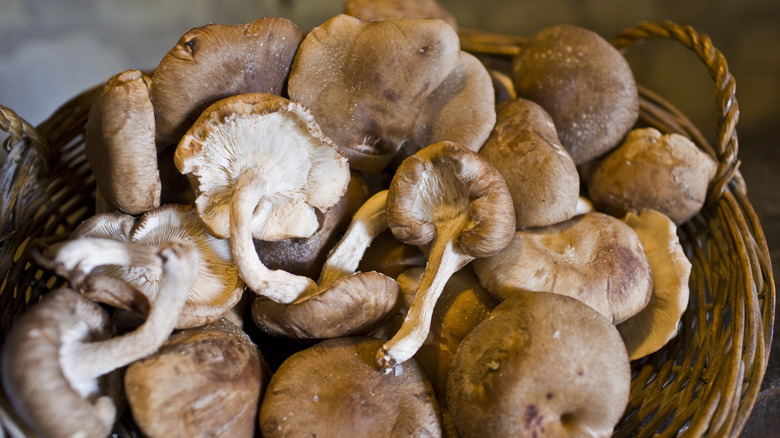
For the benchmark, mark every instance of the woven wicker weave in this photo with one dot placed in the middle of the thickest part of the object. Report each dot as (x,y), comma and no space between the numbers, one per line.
(704,383)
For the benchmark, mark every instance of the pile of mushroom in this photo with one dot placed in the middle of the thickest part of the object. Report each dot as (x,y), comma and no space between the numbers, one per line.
(422,232)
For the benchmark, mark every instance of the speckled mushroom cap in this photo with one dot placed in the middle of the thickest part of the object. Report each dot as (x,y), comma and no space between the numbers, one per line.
(541,364)
(583,82)
(120,144)
(594,257)
(375,10)
(375,87)
(541,175)
(215,61)
(218,287)
(335,388)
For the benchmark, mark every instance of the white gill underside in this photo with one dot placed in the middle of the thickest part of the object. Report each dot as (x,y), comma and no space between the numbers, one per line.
(441,197)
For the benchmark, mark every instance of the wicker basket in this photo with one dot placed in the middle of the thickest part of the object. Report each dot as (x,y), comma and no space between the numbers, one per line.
(704,383)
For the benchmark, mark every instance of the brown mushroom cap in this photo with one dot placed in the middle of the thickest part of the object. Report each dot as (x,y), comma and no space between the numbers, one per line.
(583,82)
(216,61)
(541,175)
(375,10)
(218,287)
(205,381)
(334,388)
(377,86)
(120,145)
(663,172)
(541,363)
(594,257)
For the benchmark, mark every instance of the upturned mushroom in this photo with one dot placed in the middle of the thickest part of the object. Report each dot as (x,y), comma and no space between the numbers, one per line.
(541,175)
(59,359)
(120,145)
(454,203)
(347,302)
(663,172)
(215,61)
(261,168)
(593,257)
(583,82)
(379,87)
(334,388)
(541,364)
(654,326)
(218,287)
(202,382)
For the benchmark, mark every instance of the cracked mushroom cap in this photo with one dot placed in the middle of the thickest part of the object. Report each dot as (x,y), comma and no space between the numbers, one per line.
(541,175)
(653,327)
(376,87)
(663,172)
(594,257)
(541,364)
(225,375)
(120,145)
(334,388)
(215,61)
(375,10)
(218,287)
(583,82)
(59,359)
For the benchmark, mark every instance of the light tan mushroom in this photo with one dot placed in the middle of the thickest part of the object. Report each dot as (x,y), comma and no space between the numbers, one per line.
(456,204)
(120,145)
(261,167)
(541,175)
(375,10)
(218,287)
(594,257)
(664,172)
(653,327)
(59,359)
(583,82)
(215,61)
(202,382)
(334,388)
(378,87)
(542,364)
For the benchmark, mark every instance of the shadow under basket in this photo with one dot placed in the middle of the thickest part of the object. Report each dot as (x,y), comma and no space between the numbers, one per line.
(703,383)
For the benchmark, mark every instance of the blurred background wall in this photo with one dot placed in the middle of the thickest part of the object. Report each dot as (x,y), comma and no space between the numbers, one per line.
(51,50)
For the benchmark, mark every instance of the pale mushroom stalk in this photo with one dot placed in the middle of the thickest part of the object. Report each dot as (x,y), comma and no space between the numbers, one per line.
(77,258)
(367,223)
(449,259)
(276,284)
(87,361)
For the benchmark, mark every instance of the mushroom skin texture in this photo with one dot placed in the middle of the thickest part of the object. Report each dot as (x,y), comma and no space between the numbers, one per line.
(594,257)
(218,287)
(261,168)
(60,354)
(374,10)
(583,82)
(540,364)
(653,327)
(334,388)
(203,382)
(378,87)
(120,145)
(215,61)
(454,203)
(541,175)
(663,172)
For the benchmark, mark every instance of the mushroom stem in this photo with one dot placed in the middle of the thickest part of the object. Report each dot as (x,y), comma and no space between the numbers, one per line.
(78,257)
(445,259)
(277,284)
(179,271)
(367,223)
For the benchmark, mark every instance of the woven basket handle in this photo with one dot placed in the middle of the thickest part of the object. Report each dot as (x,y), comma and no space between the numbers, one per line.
(20,130)
(725,86)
